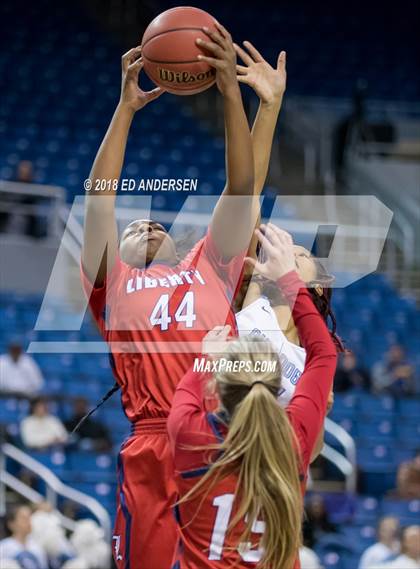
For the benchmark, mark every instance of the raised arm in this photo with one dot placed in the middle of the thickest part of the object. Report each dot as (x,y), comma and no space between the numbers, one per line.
(269,83)
(100,225)
(236,211)
(308,406)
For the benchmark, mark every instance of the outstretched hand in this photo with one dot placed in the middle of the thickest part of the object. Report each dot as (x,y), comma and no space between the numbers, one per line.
(277,246)
(268,82)
(214,341)
(131,94)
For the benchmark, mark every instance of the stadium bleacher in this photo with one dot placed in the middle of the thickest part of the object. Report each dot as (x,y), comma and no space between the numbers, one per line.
(386,430)
(70,55)
(326,47)
(61,133)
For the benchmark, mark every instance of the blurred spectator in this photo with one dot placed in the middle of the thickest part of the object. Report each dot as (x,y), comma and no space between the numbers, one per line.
(91,434)
(41,429)
(408,478)
(353,128)
(410,551)
(316,522)
(19,373)
(308,559)
(9,564)
(394,375)
(21,546)
(386,546)
(34,224)
(350,375)
(92,551)
(25,172)
(49,533)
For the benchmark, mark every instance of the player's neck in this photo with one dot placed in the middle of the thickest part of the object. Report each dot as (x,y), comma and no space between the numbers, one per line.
(253,292)
(21,538)
(286,323)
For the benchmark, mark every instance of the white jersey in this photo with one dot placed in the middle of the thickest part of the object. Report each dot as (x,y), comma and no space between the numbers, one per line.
(259,319)
(28,555)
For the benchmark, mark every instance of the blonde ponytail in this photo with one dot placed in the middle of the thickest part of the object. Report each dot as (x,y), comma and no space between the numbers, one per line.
(260,448)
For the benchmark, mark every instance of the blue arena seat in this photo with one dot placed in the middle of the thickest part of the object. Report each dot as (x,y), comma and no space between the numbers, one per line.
(377,428)
(90,462)
(104,492)
(367,510)
(13,410)
(408,428)
(55,460)
(360,536)
(409,408)
(370,405)
(407,509)
(335,551)
(345,403)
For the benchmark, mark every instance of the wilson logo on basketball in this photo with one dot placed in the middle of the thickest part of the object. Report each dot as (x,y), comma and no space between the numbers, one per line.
(184,76)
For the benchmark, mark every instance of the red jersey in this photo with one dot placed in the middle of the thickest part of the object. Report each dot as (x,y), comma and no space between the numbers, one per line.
(203,525)
(155,318)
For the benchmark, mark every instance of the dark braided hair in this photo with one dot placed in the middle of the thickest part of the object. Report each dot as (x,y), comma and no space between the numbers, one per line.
(321,293)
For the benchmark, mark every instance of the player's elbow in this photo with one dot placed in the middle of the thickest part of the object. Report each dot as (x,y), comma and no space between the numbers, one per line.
(325,359)
(329,359)
(328,349)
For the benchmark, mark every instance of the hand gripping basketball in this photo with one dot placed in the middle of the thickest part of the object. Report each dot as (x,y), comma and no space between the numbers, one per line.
(131,94)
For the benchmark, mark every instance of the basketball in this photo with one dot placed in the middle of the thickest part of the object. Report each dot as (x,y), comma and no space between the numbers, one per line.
(170,51)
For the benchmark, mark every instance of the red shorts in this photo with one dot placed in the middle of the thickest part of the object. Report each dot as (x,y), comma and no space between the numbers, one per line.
(145,534)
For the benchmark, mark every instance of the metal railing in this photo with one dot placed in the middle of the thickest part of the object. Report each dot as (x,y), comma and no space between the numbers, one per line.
(346,463)
(404,221)
(54,488)
(37,200)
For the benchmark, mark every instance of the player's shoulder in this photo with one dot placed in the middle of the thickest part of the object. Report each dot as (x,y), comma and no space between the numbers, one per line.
(193,254)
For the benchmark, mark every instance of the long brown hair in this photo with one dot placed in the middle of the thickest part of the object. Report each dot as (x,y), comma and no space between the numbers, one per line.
(261,450)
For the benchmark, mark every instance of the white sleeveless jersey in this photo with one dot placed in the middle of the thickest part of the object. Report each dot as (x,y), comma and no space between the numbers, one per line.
(259,319)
